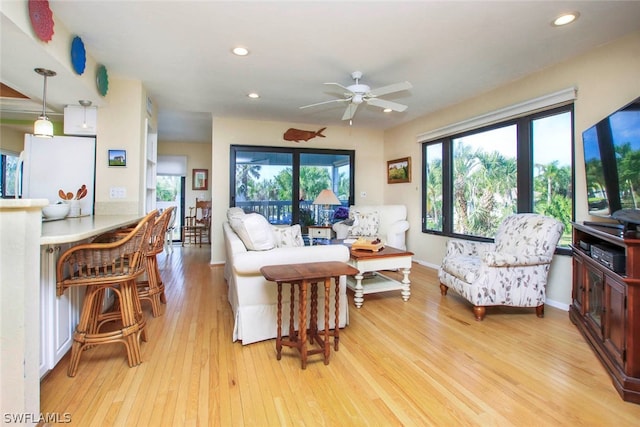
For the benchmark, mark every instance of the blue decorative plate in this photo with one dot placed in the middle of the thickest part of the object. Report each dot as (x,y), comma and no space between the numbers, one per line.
(78,55)
(102,80)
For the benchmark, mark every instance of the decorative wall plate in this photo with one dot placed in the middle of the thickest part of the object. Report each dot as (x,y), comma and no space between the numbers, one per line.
(41,19)
(102,80)
(78,55)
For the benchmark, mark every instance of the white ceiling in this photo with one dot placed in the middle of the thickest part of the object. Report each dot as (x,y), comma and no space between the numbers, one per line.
(449,50)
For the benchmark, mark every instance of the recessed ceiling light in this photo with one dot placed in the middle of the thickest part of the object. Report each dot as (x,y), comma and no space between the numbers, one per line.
(565,18)
(240,51)
(387,110)
(253,95)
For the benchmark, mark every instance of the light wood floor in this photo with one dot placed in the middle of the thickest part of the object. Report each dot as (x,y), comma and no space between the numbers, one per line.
(415,363)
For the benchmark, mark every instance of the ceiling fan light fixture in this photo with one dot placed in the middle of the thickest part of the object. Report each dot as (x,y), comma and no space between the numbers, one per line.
(565,18)
(240,51)
(43,127)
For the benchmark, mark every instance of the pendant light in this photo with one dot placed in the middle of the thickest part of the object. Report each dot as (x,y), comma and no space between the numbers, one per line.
(43,127)
(84,104)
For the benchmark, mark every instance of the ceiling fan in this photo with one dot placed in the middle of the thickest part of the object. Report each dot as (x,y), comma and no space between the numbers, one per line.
(357,93)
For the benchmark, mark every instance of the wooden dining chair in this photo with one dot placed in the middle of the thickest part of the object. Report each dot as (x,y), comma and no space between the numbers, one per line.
(198,225)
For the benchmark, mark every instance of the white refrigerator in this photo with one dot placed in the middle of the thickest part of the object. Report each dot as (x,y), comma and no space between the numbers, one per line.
(49,165)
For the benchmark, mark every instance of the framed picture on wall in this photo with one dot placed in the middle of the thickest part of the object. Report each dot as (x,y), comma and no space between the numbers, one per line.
(200,179)
(117,158)
(399,170)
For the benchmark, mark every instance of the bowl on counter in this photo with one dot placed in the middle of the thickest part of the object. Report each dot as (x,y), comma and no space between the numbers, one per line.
(57,211)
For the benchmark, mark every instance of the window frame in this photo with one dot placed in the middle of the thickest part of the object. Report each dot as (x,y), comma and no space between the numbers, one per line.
(525,168)
(3,171)
(295,173)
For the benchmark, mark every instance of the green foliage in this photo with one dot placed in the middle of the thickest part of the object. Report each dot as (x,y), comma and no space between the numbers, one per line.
(166,188)
(399,173)
(485,191)
(313,180)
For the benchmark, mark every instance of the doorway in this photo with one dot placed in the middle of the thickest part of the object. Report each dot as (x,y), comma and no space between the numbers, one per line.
(170,191)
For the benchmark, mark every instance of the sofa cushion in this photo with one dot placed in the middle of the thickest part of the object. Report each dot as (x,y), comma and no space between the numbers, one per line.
(255,231)
(288,237)
(365,223)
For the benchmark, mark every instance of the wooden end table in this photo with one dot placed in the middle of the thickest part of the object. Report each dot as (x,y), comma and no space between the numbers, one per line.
(387,258)
(303,275)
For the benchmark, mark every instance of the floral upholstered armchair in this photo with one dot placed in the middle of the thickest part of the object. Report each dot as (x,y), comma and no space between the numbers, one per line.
(512,271)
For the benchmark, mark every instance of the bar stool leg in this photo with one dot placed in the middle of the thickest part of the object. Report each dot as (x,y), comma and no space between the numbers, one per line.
(86,322)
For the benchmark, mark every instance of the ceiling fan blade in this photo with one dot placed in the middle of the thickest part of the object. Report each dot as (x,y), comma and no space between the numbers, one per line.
(383,103)
(344,88)
(350,112)
(323,102)
(396,87)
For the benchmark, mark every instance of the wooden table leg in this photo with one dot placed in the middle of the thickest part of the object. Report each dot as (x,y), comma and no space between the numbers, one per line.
(327,290)
(292,303)
(302,327)
(279,336)
(336,330)
(312,332)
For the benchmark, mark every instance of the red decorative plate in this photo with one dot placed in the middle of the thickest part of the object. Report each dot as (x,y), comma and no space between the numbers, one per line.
(41,19)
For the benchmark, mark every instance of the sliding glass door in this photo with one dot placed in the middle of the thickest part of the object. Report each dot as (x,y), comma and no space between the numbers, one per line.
(282,183)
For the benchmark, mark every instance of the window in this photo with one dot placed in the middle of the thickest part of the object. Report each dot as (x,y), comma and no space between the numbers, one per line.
(282,183)
(8,165)
(473,180)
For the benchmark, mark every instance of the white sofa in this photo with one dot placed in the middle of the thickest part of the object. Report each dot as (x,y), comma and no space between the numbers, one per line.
(253,299)
(386,222)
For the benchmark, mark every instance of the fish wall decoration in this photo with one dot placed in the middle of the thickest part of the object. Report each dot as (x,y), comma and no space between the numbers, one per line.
(298,135)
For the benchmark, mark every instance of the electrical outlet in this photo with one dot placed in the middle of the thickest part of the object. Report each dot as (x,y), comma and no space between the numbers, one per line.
(117,192)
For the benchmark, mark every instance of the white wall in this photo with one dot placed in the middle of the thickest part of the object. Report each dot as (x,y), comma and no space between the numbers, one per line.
(607,78)
(369,168)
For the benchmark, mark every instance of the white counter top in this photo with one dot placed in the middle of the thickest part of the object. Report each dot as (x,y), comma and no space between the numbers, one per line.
(74,229)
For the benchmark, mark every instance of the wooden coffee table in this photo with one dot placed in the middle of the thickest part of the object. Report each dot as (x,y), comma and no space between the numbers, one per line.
(303,275)
(387,258)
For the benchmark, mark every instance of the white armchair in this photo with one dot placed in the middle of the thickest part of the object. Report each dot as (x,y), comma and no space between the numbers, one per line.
(386,222)
(512,271)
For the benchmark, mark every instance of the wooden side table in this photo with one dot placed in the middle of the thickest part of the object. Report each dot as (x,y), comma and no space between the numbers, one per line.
(303,275)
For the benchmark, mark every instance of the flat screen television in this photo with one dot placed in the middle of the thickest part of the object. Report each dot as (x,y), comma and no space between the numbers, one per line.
(612,162)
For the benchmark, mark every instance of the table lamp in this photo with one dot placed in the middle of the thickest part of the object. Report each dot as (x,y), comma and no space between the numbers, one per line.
(326,198)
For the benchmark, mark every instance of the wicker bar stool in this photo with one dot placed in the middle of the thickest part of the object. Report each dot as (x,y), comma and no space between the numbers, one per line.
(99,266)
(152,289)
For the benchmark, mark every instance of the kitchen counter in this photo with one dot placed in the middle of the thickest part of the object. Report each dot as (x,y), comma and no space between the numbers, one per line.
(75,229)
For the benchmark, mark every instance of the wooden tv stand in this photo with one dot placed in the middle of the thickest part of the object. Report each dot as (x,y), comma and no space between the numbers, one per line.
(606,304)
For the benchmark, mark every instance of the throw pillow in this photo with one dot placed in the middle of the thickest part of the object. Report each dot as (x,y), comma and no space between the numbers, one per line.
(288,237)
(234,213)
(365,223)
(255,232)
